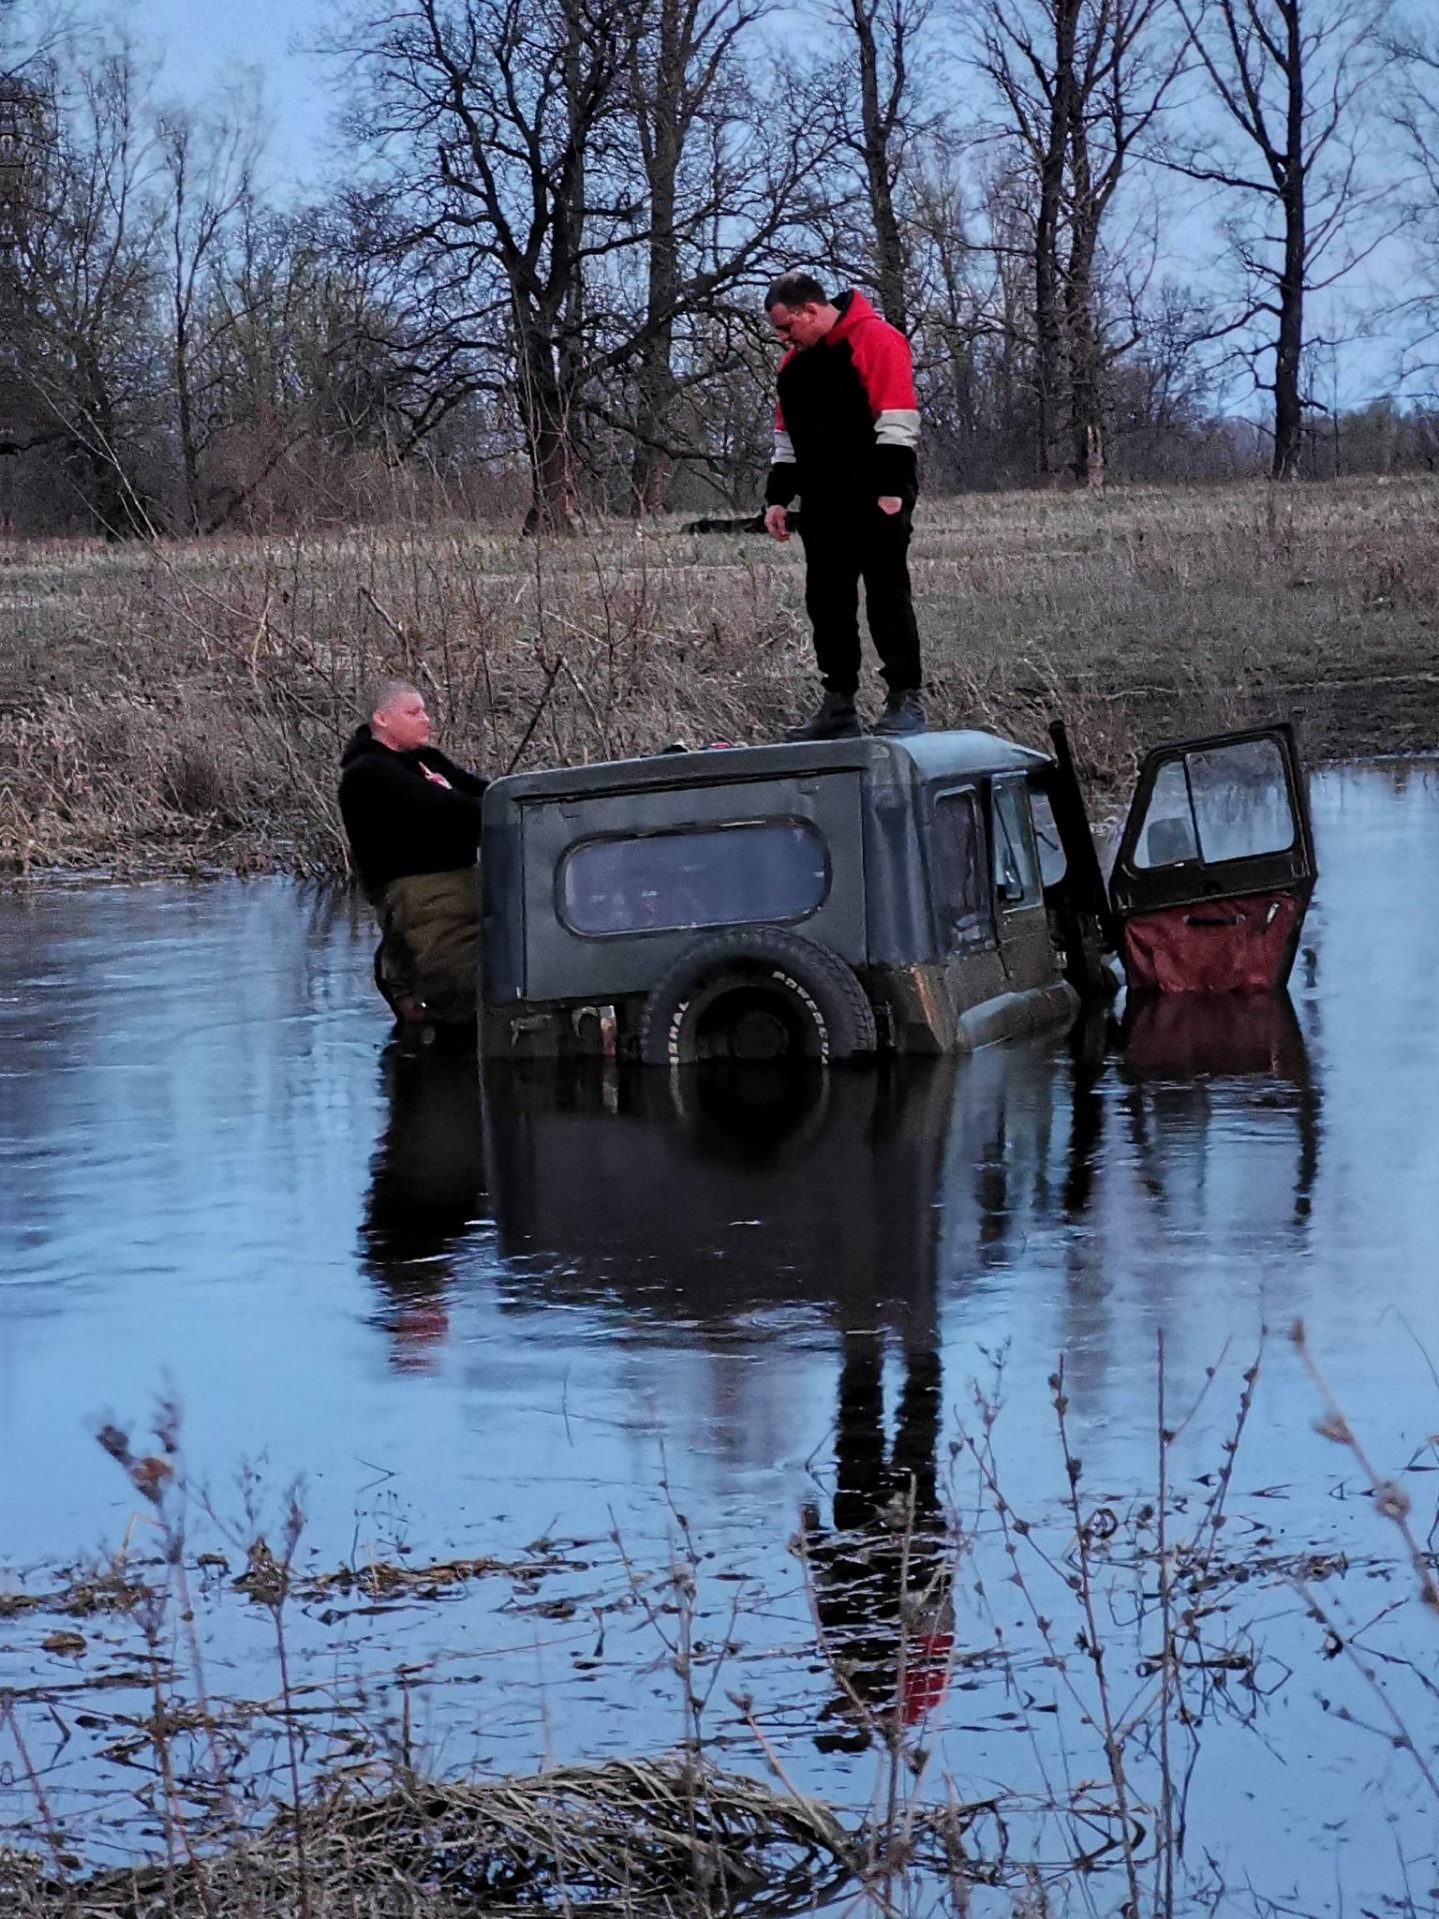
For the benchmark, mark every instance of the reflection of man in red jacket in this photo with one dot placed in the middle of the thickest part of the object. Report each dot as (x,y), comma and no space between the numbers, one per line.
(846,434)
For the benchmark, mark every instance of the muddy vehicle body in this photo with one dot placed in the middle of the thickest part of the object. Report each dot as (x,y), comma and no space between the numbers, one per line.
(925,895)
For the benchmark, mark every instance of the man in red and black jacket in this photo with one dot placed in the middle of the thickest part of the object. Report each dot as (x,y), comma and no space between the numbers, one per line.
(846,437)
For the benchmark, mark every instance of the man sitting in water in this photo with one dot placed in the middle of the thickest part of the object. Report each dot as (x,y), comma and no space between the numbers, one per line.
(413,821)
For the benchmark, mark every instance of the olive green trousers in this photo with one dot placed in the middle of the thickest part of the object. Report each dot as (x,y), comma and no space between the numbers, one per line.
(430,944)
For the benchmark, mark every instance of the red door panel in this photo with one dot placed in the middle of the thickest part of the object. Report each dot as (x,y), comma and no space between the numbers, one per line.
(1219,946)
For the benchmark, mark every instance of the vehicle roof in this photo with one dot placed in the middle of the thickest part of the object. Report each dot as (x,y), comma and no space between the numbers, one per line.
(920,756)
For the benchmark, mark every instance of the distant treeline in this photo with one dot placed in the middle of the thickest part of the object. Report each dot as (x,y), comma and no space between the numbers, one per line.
(538,284)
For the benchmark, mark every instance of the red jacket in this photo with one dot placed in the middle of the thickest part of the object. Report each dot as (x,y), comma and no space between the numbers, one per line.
(847,423)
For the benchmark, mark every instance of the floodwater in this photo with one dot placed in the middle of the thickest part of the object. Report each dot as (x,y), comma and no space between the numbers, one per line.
(571,1315)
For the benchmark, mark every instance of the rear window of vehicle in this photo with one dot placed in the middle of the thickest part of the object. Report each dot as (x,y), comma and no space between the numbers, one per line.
(761,870)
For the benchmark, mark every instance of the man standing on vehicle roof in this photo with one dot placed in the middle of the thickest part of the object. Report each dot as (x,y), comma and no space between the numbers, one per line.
(846,437)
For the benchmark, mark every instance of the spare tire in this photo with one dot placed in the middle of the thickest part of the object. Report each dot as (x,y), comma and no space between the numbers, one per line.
(757,993)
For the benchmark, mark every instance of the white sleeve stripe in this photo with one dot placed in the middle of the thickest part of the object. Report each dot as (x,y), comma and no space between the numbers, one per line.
(783,454)
(897,427)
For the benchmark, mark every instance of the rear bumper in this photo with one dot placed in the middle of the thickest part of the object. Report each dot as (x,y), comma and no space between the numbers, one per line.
(914,1008)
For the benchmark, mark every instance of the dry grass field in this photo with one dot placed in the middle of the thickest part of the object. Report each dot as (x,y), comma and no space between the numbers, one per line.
(181,707)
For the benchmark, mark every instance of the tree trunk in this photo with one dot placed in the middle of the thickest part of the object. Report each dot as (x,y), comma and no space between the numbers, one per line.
(1049,329)
(656,381)
(653,424)
(552,319)
(876,129)
(1289,346)
(1289,349)
(1086,347)
(185,419)
(544,415)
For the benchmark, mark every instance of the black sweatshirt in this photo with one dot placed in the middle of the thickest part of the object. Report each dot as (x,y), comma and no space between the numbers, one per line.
(400,821)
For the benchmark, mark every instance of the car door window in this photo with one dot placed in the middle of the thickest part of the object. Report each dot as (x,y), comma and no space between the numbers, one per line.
(962,896)
(1016,859)
(1215,804)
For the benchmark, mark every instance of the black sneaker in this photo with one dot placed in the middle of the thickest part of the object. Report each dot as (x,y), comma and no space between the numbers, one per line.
(836,719)
(903,713)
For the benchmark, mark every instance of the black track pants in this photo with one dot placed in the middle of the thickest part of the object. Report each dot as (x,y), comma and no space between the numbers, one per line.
(844,544)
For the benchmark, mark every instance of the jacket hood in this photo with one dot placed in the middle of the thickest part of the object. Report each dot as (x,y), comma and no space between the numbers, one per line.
(362,740)
(855,311)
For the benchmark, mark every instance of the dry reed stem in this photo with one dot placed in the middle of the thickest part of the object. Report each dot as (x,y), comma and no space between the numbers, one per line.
(624,1838)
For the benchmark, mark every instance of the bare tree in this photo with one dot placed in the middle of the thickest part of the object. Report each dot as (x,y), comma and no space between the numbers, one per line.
(724,169)
(489,116)
(207,168)
(885,38)
(680,64)
(87,261)
(1416,116)
(1081,83)
(1285,77)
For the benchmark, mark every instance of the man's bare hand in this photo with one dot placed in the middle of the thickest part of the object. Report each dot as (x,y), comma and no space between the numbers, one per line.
(890,503)
(776,522)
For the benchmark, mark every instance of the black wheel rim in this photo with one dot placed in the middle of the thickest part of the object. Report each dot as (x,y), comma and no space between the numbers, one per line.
(753,1018)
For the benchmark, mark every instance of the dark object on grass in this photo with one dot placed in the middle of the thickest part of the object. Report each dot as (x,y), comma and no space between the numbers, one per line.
(750,523)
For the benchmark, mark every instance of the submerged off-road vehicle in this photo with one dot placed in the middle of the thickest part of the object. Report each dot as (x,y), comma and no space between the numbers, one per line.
(919,895)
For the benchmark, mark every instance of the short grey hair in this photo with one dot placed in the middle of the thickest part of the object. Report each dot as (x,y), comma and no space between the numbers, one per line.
(384,693)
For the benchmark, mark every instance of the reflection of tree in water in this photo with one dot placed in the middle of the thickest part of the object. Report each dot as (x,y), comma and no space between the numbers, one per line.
(427,1189)
(882,1577)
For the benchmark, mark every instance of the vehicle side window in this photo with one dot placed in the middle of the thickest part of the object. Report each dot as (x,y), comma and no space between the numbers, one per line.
(758,870)
(962,897)
(1016,860)
(1223,803)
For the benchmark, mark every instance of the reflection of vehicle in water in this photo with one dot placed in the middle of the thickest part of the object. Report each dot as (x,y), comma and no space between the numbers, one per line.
(710,1195)
(685,1207)
(427,1187)
(823,901)
(1199,1067)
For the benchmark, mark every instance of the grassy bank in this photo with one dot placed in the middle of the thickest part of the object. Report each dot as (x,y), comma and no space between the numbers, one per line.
(181,708)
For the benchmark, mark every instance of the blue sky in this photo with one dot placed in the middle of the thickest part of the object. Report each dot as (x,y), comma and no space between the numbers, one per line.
(202,43)
(203,46)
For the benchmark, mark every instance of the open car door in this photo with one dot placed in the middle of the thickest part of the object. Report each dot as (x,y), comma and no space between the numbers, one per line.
(1216,866)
